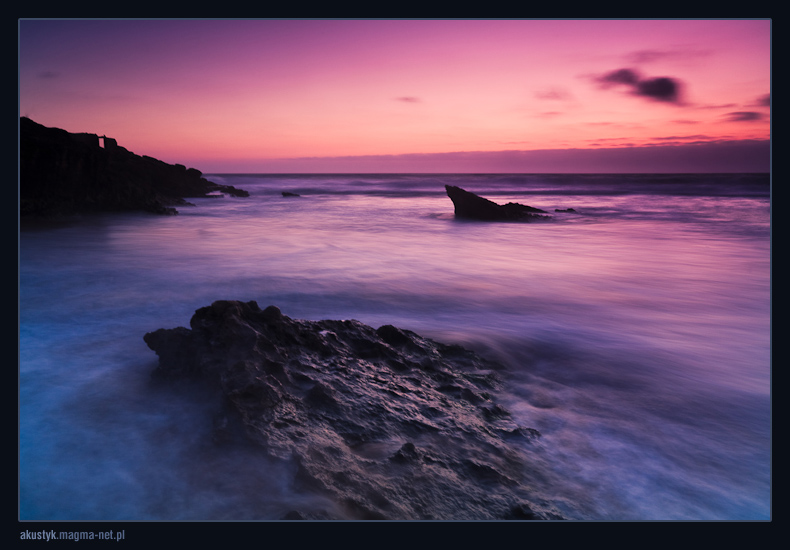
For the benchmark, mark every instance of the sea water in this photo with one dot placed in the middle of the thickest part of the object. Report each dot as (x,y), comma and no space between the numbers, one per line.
(635,332)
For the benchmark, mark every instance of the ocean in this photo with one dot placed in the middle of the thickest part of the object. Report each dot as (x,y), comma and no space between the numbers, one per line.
(635,332)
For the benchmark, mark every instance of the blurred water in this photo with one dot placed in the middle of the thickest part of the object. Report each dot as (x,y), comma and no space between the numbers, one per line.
(637,332)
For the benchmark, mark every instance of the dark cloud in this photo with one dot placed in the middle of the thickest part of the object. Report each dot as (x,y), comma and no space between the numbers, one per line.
(408,99)
(764,101)
(743,116)
(662,88)
(620,76)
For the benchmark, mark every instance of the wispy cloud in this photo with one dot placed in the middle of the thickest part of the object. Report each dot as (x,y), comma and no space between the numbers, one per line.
(651,56)
(743,116)
(553,94)
(608,139)
(647,56)
(676,138)
(408,99)
(48,74)
(722,106)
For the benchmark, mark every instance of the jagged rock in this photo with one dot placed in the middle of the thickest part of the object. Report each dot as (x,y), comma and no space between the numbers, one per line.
(64,173)
(387,423)
(470,206)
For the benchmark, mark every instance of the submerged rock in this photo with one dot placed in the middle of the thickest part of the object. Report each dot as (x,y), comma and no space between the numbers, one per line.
(470,206)
(390,425)
(66,173)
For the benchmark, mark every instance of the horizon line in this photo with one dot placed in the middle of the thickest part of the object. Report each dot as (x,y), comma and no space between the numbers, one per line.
(476,173)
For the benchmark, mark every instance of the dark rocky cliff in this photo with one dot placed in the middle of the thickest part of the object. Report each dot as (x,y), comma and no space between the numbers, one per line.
(64,173)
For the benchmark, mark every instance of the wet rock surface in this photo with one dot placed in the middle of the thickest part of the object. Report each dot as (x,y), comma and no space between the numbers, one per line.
(67,173)
(473,207)
(388,424)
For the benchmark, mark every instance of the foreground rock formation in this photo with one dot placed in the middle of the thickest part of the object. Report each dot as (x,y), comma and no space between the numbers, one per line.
(64,173)
(388,424)
(470,206)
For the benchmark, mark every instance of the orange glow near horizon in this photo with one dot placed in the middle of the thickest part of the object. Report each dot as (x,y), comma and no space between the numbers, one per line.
(210,93)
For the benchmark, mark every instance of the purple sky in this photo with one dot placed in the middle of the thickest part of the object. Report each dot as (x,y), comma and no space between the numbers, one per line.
(410,95)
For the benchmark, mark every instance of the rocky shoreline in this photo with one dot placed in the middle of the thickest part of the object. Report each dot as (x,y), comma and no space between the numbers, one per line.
(388,424)
(65,173)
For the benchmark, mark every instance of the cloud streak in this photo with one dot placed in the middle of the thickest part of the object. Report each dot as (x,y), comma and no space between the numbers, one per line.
(651,56)
(554,94)
(743,116)
(676,138)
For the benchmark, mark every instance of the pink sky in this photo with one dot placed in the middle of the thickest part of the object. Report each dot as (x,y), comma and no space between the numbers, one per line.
(400,95)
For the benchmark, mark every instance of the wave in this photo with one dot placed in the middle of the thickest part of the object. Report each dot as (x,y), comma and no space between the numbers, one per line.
(411,185)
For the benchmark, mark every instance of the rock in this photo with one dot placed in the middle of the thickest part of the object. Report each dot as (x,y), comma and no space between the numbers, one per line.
(388,424)
(65,173)
(297,515)
(566,210)
(470,206)
(289,194)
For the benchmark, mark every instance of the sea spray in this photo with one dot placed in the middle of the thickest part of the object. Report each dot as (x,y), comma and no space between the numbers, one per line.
(635,334)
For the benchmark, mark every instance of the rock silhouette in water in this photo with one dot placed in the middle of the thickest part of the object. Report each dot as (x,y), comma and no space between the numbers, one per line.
(63,173)
(387,423)
(470,206)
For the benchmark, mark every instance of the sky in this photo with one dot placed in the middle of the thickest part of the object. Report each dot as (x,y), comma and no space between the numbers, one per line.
(278,96)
